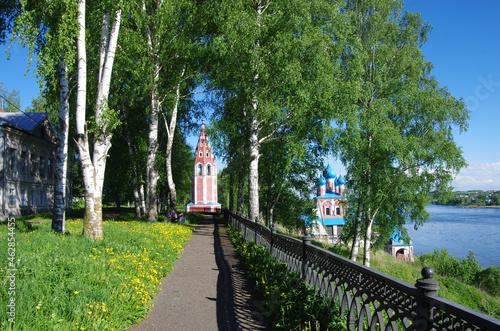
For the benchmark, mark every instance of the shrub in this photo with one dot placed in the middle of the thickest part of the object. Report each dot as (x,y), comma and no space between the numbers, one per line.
(286,299)
(489,280)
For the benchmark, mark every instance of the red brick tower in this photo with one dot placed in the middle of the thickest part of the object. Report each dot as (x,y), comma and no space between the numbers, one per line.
(204,187)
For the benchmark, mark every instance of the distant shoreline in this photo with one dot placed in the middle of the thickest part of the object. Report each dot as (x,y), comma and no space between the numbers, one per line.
(477,206)
(471,206)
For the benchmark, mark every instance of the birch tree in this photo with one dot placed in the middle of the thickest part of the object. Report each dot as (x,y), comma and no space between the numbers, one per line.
(396,137)
(51,37)
(278,57)
(166,38)
(93,166)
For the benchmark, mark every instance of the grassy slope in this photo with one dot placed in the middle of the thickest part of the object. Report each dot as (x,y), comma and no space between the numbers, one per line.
(450,288)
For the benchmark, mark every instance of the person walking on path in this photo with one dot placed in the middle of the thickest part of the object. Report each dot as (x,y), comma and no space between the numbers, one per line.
(207,289)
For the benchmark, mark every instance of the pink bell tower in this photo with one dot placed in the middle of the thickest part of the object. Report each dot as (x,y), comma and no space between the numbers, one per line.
(204,186)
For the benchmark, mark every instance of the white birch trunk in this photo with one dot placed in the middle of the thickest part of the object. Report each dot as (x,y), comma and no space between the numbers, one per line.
(367,247)
(357,234)
(93,169)
(61,162)
(170,141)
(151,169)
(92,226)
(143,199)
(253,169)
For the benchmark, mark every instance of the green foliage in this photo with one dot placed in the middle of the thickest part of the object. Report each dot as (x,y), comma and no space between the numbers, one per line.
(194,218)
(286,299)
(10,100)
(489,280)
(446,264)
(67,282)
(395,135)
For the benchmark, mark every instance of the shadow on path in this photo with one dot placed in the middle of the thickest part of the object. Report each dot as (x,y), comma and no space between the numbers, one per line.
(237,308)
(208,288)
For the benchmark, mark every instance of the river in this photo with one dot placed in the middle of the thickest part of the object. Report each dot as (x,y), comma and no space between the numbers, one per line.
(460,230)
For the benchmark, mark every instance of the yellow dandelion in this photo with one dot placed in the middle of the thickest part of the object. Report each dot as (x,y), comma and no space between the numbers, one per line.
(76,292)
(37,307)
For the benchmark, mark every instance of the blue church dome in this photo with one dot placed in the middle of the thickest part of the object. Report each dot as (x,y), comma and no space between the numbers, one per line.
(321,180)
(340,181)
(329,173)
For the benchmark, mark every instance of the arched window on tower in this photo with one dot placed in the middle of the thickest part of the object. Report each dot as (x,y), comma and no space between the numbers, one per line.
(201,154)
(199,169)
(208,169)
(207,153)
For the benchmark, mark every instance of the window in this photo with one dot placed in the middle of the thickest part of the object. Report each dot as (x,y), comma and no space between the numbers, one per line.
(42,198)
(24,197)
(33,161)
(338,210)
(50,168)
(12,197)
(327,210)
(199,169)
(24,162)
(32,198)
(12,159)
(208,169)
(207,153)
(201,154)
(42,164)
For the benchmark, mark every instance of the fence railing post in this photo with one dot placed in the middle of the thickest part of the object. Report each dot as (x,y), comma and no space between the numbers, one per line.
(306,241)
(255,229)
(273,232)
(427,288)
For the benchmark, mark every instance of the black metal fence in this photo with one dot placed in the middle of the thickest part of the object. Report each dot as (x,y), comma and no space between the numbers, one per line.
(369,299)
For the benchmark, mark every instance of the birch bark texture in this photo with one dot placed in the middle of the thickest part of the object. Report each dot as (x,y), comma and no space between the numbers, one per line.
(93,168)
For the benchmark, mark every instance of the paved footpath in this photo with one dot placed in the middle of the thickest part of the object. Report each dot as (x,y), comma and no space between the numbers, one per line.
(208,288)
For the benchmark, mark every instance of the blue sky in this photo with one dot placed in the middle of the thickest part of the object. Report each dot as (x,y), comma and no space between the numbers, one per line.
(464,47)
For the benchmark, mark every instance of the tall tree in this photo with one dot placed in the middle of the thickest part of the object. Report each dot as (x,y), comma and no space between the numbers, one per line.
(396,137)
(104,120)
(51,36)
(165,35)
(278,57)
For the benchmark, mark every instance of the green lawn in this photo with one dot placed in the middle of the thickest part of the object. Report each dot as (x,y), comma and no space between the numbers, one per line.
(67,282)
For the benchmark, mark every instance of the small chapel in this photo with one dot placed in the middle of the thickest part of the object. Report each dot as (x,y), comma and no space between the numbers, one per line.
(329,204)
(204,179)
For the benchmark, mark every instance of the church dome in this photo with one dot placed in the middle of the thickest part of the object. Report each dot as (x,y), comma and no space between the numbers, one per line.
(340,181)
(321,180)
(329,173)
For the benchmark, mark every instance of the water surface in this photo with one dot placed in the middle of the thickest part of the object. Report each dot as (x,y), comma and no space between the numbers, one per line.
(460,230)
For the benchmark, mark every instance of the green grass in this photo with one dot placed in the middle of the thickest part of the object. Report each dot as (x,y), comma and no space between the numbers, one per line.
(67,282)
(450,288)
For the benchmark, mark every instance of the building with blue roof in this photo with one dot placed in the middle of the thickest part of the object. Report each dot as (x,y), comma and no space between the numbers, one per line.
(399,246)
(329,203)
(27,163)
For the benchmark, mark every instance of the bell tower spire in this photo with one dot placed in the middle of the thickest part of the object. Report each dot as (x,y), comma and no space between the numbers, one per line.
(204,185)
